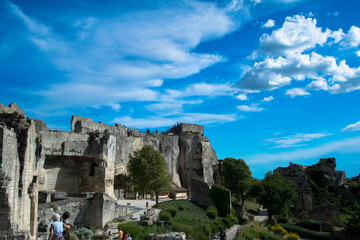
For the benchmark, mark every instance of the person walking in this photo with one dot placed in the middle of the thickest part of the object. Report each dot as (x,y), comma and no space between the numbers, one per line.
(222,235)
(121,234)
(65,218)
(57,228)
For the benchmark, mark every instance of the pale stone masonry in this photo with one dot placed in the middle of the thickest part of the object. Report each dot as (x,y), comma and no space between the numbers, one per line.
(41,167)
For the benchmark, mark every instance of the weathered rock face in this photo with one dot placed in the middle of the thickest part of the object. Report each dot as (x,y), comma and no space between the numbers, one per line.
(87,159)
(306,206)
(186,151)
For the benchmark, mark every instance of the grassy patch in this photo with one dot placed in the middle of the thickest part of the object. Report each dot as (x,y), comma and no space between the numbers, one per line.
(303,232)
(252,208)
(253,230)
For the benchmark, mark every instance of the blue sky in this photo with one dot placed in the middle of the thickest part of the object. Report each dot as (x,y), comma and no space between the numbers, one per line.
(272,81)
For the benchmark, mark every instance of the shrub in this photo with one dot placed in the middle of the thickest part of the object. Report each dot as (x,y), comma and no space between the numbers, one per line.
(292,236)
(212,212)
(217,226)
(101,237)
(279,230)
(311,224)
(228,221)
(172,209)
(84,233)
(72,236)
(303,232)
(254,231)
(206,229)
(131,227)
(221,199)
(164,215)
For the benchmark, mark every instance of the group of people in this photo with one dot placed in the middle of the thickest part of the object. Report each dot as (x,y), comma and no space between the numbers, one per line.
(124,237)
(60,226)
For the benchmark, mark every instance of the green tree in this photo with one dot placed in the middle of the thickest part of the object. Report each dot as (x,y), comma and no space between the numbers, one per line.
(237,178)
(148,173)
(353,223)
(276,194)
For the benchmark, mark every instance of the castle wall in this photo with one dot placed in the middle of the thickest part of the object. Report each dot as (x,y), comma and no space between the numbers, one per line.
(33,159)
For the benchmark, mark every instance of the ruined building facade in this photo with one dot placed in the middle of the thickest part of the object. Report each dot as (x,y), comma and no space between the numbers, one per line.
(37,163)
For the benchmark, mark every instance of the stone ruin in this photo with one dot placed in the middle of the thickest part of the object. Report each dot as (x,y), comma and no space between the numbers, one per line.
(45,171)
(306,206)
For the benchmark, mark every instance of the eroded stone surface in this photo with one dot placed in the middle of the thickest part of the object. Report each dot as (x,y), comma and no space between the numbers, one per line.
(87,159)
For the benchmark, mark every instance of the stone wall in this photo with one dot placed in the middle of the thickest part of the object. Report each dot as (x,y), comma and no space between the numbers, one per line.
(200,193)
(87,159)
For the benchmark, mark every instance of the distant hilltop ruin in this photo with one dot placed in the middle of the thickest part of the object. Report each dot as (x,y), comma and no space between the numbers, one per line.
(84,168)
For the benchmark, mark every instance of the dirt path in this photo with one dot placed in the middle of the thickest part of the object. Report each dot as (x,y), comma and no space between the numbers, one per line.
(232,232)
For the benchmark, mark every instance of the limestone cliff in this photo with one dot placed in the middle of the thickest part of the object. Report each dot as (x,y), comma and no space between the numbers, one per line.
(90,158)
(313,183)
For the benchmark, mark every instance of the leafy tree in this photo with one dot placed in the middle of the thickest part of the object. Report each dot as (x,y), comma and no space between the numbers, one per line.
(147,172)
(277,194)
(353,224)
(237,178)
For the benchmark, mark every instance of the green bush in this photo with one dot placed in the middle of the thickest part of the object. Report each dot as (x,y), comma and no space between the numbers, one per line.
(131,227)
(100,237)
(306,233)
(311,225)
(72,236)
(255,231)
(228,222)
(206,229)
(221,198)
(165,215)
(217,226)
(84,233)
(292,236)
(172,209)
(211,212)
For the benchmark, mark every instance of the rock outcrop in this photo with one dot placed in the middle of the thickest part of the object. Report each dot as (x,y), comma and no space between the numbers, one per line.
(90,158)
(312,182)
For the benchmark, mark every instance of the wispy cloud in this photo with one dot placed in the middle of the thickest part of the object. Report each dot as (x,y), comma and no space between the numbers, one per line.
(268,99)
(296,92)
(196,118)
(349,145)
(296,140)
(118,53)
(250,108)
(352,127)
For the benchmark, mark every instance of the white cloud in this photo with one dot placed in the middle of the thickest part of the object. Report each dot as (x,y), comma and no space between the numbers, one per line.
(196,118)
(256,1)
(350,145)
(250,108)
(268,99)
(242,97)
(358,53)
(115,106)
(117,52)
(295,36)
(353,36)
(296,92)
(269,24)
(335,13)
(296,140)
(325,72)
(94,95)
(319,84)
(201,89)
(352,127)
